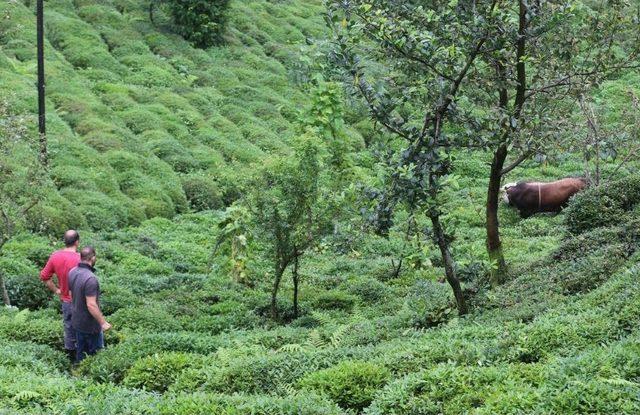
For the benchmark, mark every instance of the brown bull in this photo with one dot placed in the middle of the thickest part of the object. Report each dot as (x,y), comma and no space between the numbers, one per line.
(535,197)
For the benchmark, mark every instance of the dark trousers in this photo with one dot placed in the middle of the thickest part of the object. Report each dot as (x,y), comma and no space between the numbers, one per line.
(69,333)
(87,344)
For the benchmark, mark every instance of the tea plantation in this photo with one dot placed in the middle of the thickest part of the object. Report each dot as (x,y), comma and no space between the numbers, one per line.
(155,149)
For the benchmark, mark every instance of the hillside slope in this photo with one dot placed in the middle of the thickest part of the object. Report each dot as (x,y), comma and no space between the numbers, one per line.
(140,123)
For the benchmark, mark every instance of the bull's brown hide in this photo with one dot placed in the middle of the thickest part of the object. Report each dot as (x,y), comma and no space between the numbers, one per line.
(536,197)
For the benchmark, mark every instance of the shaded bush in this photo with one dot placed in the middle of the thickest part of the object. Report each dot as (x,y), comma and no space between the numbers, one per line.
(429,304)
(27,291)
(334,300)
(199,21)
(369,290)
(202,192)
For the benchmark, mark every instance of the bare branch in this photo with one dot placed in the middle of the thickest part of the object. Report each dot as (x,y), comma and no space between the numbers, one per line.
(521,158)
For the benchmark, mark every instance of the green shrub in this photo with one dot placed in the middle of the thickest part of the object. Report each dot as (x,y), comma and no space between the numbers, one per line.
(450,389)
(145,319)
(352,385)
(202,192)
(55,215)
(604,205)
(157,372)
(100,211)
(273,372)
(140,120)
(33,357)
(334,300)
(587,272)
(369,290)
(199,21)
(429,304)
(174,154)
(32,327)
(561,333)
(111,364)
(27,291)
(206,404)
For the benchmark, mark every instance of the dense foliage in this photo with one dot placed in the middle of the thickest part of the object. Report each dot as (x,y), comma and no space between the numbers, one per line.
(199,21)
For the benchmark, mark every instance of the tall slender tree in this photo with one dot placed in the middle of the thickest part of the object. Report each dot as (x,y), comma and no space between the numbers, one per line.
(411,62)
(544,55)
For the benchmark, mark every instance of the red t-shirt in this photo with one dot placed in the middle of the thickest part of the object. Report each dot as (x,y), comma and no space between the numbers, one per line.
(60,263)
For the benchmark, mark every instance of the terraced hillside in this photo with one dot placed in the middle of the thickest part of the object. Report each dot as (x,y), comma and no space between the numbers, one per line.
(141,124)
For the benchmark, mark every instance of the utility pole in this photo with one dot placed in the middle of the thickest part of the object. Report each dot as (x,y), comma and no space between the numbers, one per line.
(42,122)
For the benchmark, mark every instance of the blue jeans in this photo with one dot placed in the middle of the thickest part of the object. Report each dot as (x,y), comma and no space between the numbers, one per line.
(87,344)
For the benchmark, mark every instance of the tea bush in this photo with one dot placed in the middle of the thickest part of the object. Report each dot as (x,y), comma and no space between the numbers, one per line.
(604,205)
(451,389)
(145,319)
(334,300)
(202,192)
(35,327)
(352,385)
(157,372)
(201,22)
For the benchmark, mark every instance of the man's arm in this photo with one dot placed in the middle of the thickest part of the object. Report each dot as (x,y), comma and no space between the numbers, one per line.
(94,310)
(52,286)
(45,276)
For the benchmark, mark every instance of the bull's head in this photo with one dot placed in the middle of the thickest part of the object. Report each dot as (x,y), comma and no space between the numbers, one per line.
(504,194)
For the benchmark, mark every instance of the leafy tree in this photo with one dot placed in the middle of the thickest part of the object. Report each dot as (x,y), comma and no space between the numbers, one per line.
(326,116)
(420,56)
(234,229)
(202,22)
(491,75)
(542,56)
(289,210)
(23,181)
(603,140)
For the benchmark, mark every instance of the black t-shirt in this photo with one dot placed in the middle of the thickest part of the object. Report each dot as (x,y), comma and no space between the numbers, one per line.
(83,283)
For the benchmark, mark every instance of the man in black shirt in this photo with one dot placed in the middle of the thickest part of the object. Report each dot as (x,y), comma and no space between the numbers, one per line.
(86,318)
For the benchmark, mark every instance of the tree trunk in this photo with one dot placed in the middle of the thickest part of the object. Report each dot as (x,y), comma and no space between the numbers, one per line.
(5,293)
(449,268)
(151,4)
(494,245)
(274,292)
(296,281)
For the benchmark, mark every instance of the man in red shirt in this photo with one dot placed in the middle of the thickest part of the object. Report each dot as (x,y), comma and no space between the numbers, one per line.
(60,263)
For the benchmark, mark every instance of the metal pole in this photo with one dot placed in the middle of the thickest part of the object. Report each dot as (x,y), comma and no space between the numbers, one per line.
(42,122)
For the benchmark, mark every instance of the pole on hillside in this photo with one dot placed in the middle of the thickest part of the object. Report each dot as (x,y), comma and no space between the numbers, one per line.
(42,122)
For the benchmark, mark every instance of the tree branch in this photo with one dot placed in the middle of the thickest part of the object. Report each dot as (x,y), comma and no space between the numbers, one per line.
(522,157)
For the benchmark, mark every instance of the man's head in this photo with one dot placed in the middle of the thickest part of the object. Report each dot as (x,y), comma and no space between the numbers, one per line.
(88,255)
(71,238)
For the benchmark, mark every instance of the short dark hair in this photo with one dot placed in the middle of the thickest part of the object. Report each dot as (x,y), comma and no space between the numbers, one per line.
(87,253)
(70,238)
